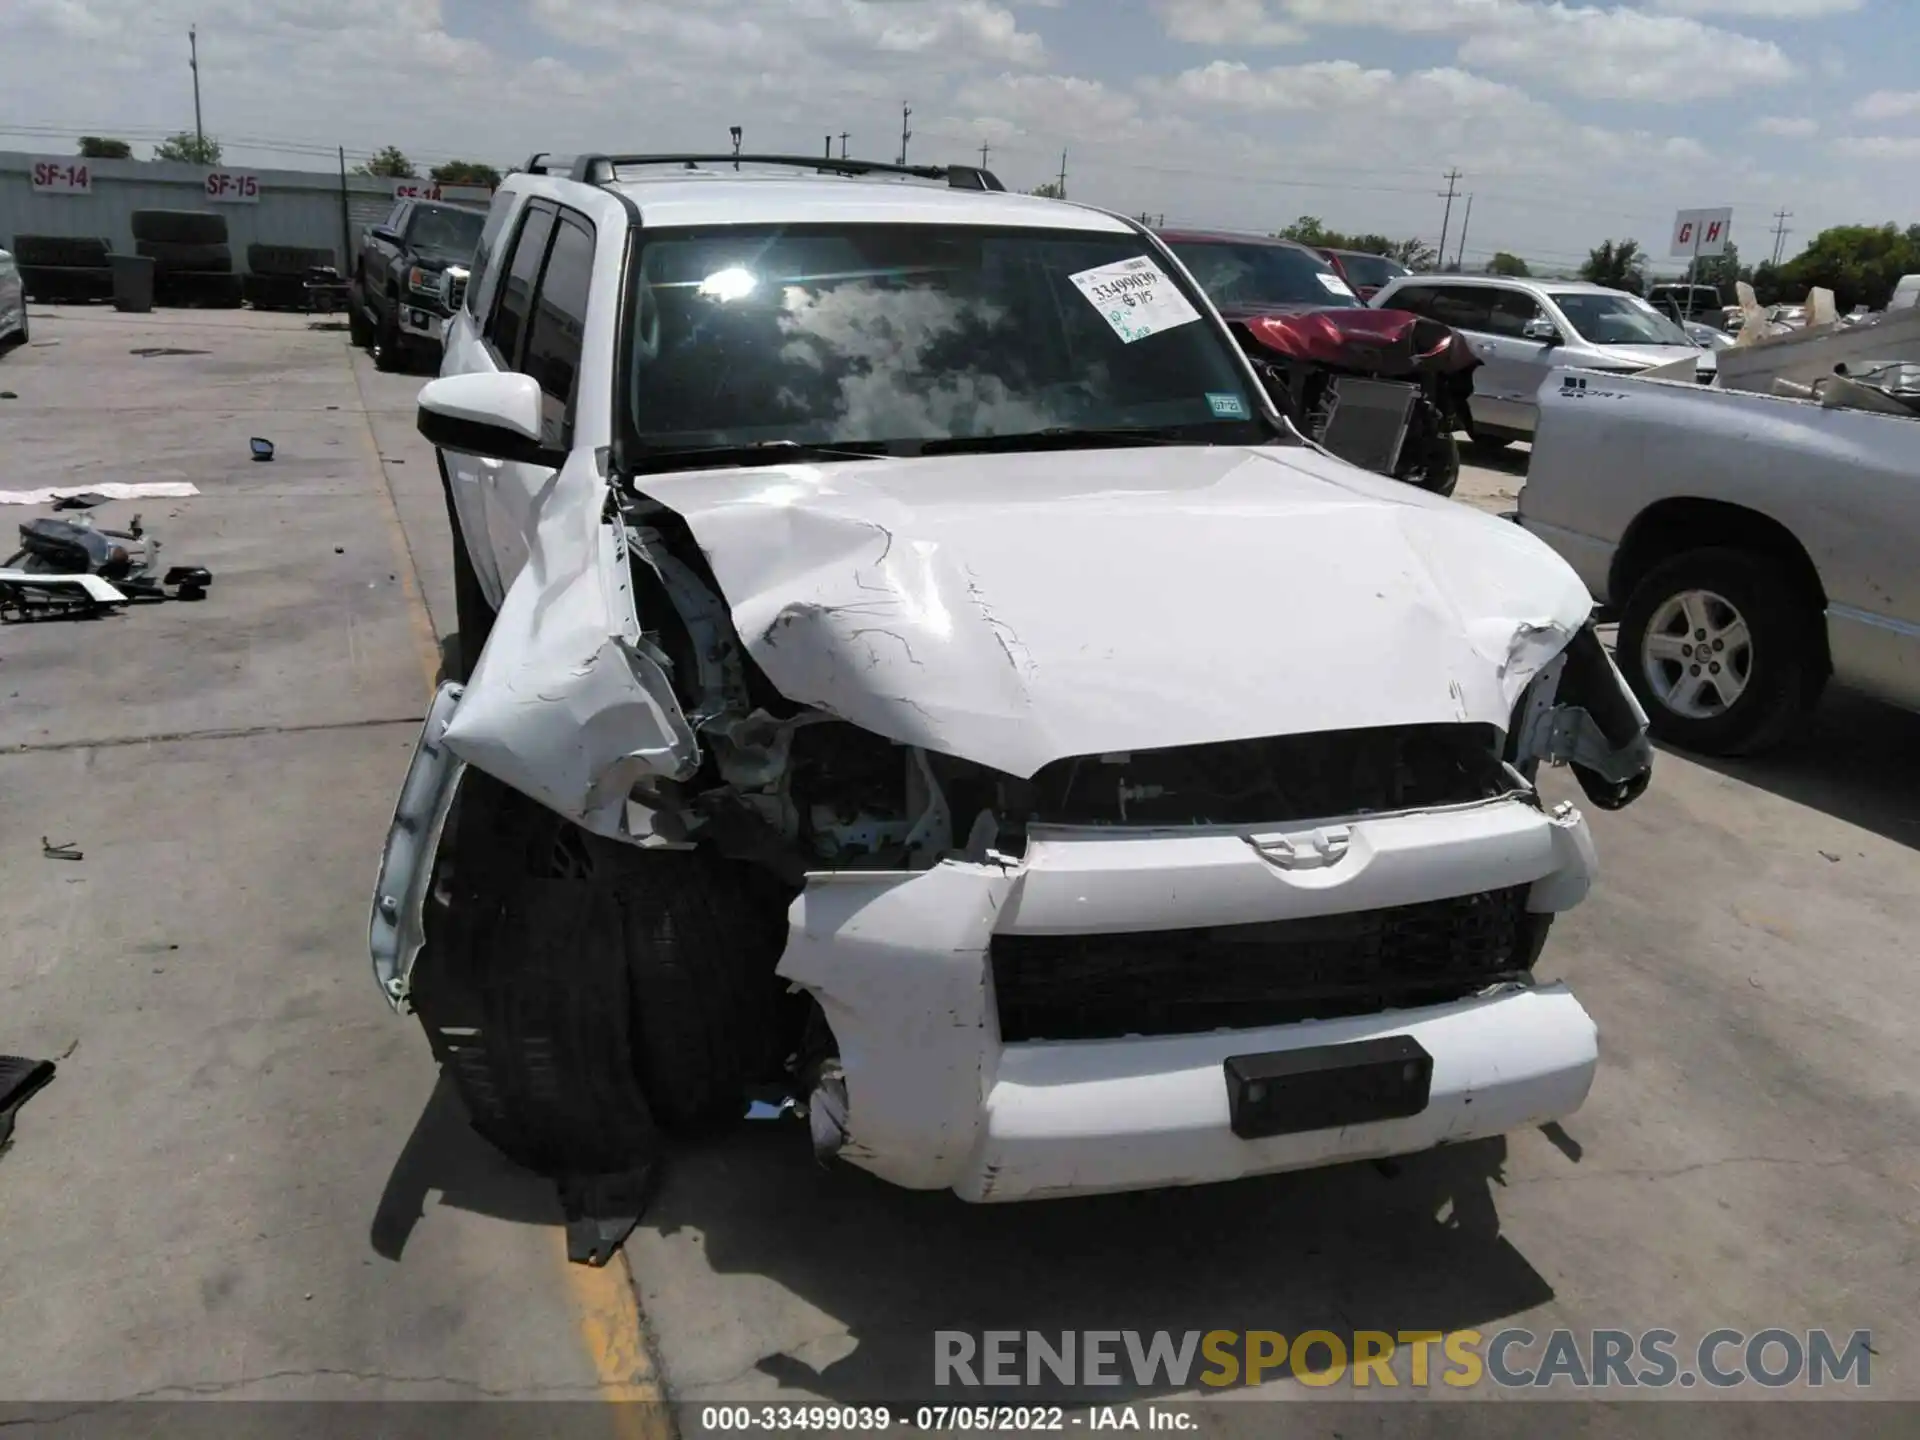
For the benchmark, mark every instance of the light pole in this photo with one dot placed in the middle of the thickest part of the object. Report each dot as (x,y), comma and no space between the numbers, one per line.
(734,130)
(193,64)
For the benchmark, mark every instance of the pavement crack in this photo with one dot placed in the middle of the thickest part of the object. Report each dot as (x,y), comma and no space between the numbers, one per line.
(111,742)
(1656,1172)
(205,1388)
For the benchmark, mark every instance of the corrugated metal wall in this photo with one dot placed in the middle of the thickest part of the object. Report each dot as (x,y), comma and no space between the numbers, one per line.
(296,207)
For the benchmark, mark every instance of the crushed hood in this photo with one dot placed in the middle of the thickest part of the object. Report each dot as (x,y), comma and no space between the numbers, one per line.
(1019,609)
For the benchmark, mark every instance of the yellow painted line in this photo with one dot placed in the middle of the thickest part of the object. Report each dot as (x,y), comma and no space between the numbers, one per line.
(606,1305)
(425,641)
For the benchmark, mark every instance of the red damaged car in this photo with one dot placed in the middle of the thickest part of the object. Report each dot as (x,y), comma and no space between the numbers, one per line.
(1383,389)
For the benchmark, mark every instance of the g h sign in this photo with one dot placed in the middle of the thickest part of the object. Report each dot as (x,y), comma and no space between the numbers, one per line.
(1701,232)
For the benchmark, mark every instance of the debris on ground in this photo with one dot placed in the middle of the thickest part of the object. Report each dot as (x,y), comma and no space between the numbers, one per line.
(65,850)
(8,395)
(111,490)
(262,449)
(20,1080)
(151,351)
(72,566)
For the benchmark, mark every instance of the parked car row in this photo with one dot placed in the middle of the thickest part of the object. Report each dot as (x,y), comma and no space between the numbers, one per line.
(884,683)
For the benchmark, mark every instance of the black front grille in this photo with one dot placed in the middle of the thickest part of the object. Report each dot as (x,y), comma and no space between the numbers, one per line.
(456,293)
(1239,977)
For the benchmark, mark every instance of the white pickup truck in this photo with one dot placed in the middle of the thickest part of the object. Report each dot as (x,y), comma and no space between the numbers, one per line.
(1753,547)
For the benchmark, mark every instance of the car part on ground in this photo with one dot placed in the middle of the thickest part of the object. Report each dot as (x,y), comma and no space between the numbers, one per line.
(67,565)
(1753,545)
(20,1080)
(888,757)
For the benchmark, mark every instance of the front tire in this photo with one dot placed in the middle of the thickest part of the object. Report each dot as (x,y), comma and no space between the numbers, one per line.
(1722,650)
(1438,468)
(580,992)
(389,350)
(359,331)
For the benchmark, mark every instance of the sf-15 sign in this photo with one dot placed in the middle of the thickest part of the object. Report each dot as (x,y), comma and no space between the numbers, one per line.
(233,187)
(1701,232)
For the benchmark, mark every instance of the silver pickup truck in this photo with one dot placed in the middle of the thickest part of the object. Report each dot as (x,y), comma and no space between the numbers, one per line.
(1753,547)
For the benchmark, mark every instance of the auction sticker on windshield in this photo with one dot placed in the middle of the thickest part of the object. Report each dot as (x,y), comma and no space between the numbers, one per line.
(1136,298)
(1334,285)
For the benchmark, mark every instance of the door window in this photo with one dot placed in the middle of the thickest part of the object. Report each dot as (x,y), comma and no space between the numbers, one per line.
(1510,311)
(1464,307)
(483,254)
(559,323)
(508,329)
(1414,299)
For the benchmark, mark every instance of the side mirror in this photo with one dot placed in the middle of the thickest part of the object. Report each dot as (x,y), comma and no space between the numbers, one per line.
(1541,330)
(496,417)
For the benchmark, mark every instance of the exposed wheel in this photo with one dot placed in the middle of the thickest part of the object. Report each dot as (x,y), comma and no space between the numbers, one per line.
(1722,650)
(578,990)
(1438,467)
(470,609)
(359,328)
(389,350)
(179,227)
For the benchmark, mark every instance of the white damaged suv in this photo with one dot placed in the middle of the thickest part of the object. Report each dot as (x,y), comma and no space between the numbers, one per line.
(910,667)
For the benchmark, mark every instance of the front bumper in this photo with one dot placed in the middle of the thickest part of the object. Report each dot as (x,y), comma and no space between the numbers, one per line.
(422,321)
(900,964)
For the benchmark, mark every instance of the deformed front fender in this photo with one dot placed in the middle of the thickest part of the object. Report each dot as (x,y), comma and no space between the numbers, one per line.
(570,704)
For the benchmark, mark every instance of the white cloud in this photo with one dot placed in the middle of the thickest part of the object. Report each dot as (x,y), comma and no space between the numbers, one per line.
(1878,147)
(1761,9)
(1226,22)
(1623,54)
(1889,105)
(1791,127)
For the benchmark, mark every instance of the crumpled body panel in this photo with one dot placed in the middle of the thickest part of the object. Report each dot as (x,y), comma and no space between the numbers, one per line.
(1389,343)
(1022,609)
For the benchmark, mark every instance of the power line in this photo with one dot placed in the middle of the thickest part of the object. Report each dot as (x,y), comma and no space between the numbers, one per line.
(1447,219)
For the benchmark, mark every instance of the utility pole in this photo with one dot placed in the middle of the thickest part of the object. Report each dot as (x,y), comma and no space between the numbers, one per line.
(1446,222)
(193,64)
(1063,174)
(843,144)
(906,110)
(1780,232)
(985,150)
(1460,256)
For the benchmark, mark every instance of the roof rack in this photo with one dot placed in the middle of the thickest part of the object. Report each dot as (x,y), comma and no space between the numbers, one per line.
(594,169)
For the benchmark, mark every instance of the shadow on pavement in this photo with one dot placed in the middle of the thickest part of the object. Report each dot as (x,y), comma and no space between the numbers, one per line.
(1510,461)
(1858,761)
(1411,1245)
(445,1154)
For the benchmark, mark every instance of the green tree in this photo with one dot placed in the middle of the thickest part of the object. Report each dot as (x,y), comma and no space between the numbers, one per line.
(465,172)
(102,147)
(1859,263)
(1050,190)
(1720,271)
(1368,244)
(1414,253)
(1617,265)
(1308,230)
(391,163)
(190,148)
(1504,263)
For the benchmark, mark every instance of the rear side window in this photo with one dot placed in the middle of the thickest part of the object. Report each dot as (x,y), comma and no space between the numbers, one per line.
(1415,299)
(1510,311)
(1463,307)
(559,325)
(508,329)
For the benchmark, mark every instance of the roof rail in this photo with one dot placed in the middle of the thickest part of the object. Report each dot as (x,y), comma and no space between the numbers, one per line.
(599,169)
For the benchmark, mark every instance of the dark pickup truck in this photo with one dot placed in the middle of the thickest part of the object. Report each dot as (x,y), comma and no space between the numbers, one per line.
(409,277)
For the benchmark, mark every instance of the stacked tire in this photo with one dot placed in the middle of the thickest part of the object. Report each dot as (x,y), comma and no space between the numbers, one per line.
(276,277)
(63,269)
(192,262)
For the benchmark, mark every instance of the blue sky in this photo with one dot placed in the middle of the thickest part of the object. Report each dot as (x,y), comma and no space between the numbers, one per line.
(1570,122)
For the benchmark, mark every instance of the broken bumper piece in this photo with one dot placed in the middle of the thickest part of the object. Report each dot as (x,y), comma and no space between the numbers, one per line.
(955,1055)
(398,928)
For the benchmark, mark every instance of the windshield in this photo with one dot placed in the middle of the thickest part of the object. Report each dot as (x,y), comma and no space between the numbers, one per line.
(1603,319)
(446,232)
(899,338)
(1244,274)
(1372,271)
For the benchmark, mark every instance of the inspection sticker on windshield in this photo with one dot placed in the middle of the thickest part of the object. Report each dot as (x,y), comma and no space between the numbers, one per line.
(1136,298)
(1227,405)
(1334,285)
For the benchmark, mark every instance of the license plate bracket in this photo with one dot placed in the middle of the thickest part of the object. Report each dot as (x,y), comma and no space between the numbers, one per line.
(1325,1087)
